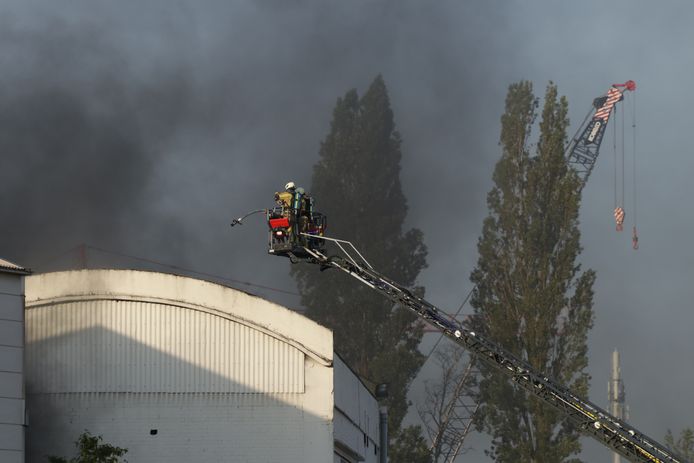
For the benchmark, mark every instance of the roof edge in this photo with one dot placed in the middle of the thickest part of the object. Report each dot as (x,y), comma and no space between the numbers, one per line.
(10,267)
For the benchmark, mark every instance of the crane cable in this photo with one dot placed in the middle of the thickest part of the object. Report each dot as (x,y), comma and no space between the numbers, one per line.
(634,235)
(619,213)
(624,178)
(618,201)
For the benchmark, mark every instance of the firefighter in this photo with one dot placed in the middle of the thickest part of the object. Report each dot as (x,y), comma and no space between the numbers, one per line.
(296,195)
(294,201)
(286,198)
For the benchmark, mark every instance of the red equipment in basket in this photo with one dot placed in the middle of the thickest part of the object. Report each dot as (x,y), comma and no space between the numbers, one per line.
(279,223)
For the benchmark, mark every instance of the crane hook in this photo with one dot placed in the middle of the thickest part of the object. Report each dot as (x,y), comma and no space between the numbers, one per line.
(619,218)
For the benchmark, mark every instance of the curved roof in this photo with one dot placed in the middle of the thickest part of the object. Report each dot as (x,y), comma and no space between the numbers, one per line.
(274,320)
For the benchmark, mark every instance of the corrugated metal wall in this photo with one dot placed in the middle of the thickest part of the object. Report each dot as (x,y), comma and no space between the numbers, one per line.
(11,368)
(141,347)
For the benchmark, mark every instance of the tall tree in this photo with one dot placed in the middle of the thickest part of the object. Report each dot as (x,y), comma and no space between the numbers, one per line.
(684,445)
(356,183)
(531,295)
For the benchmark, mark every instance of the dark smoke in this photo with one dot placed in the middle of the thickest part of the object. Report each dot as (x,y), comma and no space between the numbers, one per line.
(81,135)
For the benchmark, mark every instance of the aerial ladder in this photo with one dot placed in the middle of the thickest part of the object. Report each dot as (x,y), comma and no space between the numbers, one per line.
(586,416)
(308,243)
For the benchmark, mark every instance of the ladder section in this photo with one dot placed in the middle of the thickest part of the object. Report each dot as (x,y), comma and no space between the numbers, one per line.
(457,418)
(588,417)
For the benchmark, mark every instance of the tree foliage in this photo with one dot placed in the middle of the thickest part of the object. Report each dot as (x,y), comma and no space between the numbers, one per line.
(92,450)
(410,447)
(684,445)
(531,295)
(356,183)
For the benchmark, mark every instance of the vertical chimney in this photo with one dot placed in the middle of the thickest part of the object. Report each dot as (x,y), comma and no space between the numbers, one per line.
(615,393)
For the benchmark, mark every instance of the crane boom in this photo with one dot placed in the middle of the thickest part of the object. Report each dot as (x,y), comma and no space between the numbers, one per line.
(584,147)
(588,417)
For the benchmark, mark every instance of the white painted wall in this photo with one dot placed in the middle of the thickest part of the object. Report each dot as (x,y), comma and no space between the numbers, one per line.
(189,427)
(221,375)
(11,368)
(356,415)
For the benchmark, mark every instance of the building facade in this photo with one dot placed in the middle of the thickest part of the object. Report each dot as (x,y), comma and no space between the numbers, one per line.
(179,369)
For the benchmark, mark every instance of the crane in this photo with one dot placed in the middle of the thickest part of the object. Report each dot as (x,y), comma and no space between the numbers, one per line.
(583,149)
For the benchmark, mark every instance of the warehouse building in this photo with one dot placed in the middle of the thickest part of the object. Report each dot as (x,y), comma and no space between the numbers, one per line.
(178,369)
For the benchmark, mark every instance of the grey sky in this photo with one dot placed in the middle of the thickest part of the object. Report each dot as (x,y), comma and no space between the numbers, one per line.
(144,128)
